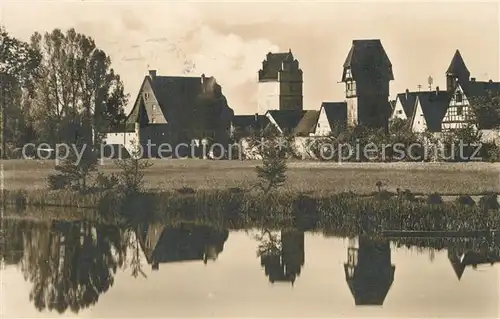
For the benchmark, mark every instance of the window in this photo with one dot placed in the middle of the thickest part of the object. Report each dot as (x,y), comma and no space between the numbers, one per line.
(153,120)
(154,107)
(146,95)
(319,125)
(348,74)
(458,97)
(400,112)
(459,110)
(350,89)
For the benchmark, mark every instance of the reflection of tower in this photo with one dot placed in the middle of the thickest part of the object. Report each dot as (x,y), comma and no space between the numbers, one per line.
(369,272)
(283,263)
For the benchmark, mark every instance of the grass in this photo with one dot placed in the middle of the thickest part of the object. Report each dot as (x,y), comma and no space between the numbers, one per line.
(310,177)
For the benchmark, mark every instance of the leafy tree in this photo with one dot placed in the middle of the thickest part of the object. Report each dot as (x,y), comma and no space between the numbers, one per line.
(18,71)
(80,88)
(486,110)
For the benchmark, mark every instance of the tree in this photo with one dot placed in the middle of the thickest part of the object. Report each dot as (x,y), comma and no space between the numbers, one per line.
(486,110)
(18,71)
(131,173)
(272,173)
(80,88)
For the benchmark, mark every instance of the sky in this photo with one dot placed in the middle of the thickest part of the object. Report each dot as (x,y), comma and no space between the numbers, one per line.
(235,285)
(229,40)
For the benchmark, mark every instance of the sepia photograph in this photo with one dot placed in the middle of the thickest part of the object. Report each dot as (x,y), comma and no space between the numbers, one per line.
(249,159)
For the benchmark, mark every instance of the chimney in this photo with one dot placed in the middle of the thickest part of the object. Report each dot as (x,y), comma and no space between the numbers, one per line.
(406,93)
(437,90)
(256,118)
(203,78)
(473,79)
(152,74)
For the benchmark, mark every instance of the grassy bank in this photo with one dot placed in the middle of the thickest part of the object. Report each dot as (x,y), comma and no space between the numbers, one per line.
(314,178)
(345,213)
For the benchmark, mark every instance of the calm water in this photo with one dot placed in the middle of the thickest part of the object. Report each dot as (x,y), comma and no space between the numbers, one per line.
(68,269)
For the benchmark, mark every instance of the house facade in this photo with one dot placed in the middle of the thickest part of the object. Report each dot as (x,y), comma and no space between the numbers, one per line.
(332,117)
(429,111)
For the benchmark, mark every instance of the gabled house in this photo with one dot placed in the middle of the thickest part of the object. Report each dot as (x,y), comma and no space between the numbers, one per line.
(429,111)
(461,259)
(404,105)
(332,117)
(459,113)
(177,109)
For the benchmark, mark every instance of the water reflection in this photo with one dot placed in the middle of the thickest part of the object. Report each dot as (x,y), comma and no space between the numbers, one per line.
(282,255)
(70,264)
(472,253)
(368,270)
(186,242)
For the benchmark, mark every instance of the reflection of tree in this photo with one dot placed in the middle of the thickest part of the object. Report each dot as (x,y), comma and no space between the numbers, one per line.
(281,257)
(12,239)
(369,272)
(71,263)
(185,242)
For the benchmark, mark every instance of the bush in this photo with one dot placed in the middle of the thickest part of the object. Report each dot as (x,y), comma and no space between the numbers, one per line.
(106,182)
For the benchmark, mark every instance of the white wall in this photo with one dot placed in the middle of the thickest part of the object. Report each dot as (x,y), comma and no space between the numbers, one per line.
(398,111)
(419,124)
(124,139)
(268,96)
(323,126)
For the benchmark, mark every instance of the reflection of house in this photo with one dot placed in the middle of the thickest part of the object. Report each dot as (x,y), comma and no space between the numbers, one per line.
(369,272)
(284,265)
(462,258)
(162,244)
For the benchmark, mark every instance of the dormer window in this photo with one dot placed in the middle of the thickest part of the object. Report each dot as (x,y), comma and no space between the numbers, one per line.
(350,88)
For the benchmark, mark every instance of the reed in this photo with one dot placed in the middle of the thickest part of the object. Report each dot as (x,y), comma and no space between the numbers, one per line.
(344,212)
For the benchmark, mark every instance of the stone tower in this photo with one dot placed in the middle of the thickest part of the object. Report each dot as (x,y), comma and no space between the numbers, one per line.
(280,83)
(367,73)
(457,72)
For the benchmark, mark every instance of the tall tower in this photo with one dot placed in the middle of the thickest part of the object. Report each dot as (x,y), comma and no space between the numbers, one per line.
(457,72)
(280,83)
(367,73)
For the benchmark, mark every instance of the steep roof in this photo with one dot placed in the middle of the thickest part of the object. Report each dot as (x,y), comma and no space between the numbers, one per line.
(184,99)
(307,123)
(434,106)
(272,65)
(336,112)
(480,88)
(249,121)
(287,120)
(367,58)
(457,65)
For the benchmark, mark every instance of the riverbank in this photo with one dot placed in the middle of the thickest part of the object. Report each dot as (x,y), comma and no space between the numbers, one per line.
(237,208)
(314,178)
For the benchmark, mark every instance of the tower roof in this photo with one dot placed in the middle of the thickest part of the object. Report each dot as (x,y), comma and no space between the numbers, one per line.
(457,65)
(272,65)
(368,58)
